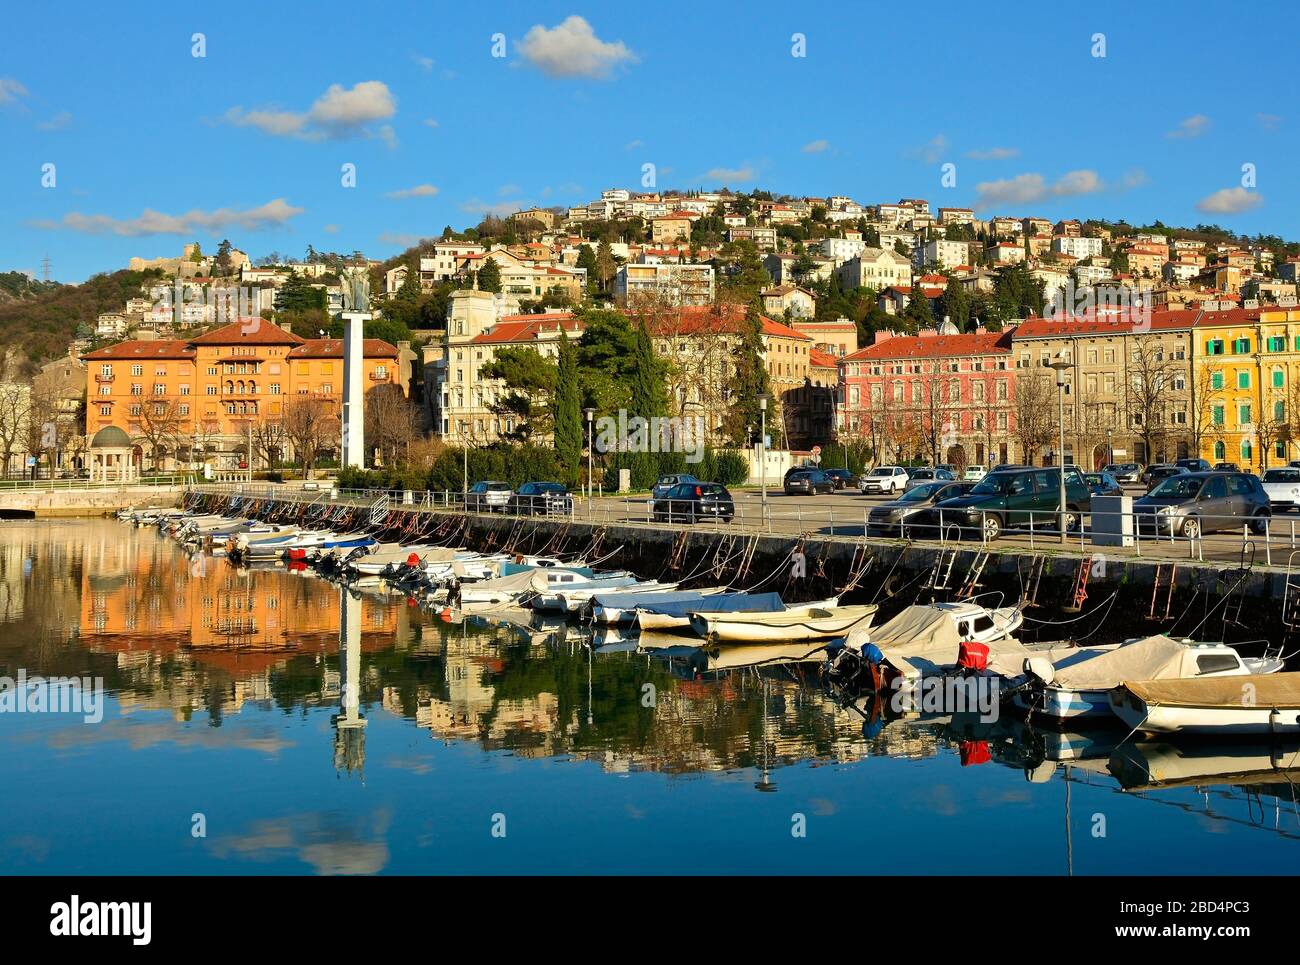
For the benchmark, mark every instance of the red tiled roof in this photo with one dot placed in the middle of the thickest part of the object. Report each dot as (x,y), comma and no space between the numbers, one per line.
(934,346)
(1166,320)
(332,348)
(153,349)
(525,328)
(248,331)
(819,359)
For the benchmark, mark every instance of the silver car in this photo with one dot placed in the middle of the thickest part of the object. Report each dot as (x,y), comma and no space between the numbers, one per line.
(1282,487)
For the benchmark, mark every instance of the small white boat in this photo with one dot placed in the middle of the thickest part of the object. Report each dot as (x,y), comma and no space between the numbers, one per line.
(815,623)
(1257,704)
(1079,683)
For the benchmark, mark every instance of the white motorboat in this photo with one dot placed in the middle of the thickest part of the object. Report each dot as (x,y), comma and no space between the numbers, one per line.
(1079,684)
(1263,705)
(817,623)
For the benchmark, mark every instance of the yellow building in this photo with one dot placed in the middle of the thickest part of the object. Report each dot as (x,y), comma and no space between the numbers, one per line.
(1247,380)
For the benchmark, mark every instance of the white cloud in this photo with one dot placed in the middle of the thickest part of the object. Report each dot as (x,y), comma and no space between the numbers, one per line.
(429,122)
(426,63)
(1134,178)
(273,214)
(1190,127)
(1230,201)
(419,191)
(994,154)
(631,145)
(572,49)
(729,175)
(931,150)
(816,147)
(58,122)
(332,229)
(339,113)
(11,91)
(1027,188)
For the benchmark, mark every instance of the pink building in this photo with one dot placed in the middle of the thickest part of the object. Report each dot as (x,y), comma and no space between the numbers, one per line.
(940,398)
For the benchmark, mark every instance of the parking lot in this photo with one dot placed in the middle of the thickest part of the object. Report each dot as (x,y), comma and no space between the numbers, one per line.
(844,514)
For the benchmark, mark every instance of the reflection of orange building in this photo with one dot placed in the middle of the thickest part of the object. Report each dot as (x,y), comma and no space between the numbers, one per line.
(211,389)
(210,607)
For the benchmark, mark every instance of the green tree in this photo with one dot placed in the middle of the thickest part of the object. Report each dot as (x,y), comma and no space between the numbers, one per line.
(605,267)
(566,409)
(749,380)
(918,310)
(587,262)
(530,381)
(297,294)
(489,276)
(222,266)
(955,304)
(649,395)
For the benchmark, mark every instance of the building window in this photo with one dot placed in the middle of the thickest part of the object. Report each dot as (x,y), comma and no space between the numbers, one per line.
(106,370)
(1214,346)
(106,410)
(1243,380)
(185,408)
(1216,380)
(1279,380)
(137,370)
(1216,415)
(1243,415)
(275,388)
(1220,451)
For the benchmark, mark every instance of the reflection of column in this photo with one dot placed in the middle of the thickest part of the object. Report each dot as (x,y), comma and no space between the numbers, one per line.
(353,389)
(349,725)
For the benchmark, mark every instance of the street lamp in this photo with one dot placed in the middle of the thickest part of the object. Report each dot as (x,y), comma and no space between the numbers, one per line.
(762,443)
(590,413)
(1110,446)
(1061,366)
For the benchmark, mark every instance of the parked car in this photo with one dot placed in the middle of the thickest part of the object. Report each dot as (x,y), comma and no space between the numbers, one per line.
(1192,503)
(802,467)
(1282,487)
(1226,467)
(665,483)
(1194,465)
(692,501)
(974,473)
(923,476)
(884,479)
(542,499)
(951,467)
(809,482)
(1124,472)
(1019,497)
(914,511)
(843,478)
(1103,484)
(1154,475)
(488,495)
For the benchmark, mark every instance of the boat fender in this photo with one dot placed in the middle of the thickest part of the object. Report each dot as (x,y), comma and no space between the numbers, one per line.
(871,654)
(975,752)
(1041,669)
(413,559)
(1041,773)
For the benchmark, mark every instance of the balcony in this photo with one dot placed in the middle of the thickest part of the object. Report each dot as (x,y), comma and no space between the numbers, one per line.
(101,377)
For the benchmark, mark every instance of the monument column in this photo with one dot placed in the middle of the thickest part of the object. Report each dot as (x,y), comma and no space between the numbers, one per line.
(356,313)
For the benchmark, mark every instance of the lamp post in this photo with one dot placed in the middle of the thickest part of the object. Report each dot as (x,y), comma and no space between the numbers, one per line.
(590,413)
(1061,366)
(762,444)
(1110,446)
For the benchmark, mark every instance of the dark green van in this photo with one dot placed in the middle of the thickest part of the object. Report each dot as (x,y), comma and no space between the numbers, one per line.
(1010,498)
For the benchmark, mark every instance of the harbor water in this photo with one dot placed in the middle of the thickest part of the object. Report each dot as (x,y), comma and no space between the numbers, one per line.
(263,720)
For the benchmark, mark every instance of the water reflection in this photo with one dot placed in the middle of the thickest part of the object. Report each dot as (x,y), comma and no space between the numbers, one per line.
(204,659)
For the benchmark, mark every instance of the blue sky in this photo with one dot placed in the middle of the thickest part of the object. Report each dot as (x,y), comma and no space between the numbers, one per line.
(154,147)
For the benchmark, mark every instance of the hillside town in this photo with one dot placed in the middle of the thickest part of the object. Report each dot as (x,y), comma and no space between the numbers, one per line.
(911,333)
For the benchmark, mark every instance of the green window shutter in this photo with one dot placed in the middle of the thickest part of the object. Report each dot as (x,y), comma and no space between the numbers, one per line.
(1243,380)
(1278,380)
(1279,411)
(1216,380)
(1243,415)
(1218,415)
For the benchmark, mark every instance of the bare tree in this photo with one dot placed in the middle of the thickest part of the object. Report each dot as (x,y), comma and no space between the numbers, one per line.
(14,401)
(390,421)
(161,427)
(1147,394)
(1035,412)
(1201,426)
(269,439)
(311,423)
(40,428)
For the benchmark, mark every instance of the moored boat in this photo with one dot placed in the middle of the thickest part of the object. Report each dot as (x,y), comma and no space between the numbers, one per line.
(1258,704)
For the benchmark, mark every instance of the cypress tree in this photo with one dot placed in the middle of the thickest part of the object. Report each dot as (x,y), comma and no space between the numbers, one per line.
(566,409)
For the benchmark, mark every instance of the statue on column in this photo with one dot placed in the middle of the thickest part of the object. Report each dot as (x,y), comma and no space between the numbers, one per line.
(356,288)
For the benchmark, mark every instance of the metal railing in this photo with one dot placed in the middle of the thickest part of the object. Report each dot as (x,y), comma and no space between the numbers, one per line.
(842,515)
(62,485)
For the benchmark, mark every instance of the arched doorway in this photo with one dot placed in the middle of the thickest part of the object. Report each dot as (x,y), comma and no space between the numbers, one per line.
(1100,457)
(957,456)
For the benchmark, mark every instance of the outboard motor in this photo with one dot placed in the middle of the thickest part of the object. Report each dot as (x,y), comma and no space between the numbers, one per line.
(854,670)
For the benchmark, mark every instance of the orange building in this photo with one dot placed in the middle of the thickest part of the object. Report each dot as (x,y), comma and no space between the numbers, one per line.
(197,400)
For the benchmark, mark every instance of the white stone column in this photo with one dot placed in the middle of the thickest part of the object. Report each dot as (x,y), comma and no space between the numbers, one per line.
(354,390)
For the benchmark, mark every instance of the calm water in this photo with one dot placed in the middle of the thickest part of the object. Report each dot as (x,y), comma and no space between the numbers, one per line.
(224,699)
